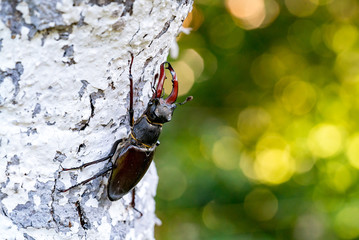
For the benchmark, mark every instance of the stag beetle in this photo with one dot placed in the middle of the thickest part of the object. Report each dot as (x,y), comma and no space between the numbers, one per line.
(130,158)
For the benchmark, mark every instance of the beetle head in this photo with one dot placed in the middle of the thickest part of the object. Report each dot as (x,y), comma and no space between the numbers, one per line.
(160,110)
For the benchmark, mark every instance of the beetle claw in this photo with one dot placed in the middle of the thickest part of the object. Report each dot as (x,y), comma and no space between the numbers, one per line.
(159,92)
(173,95)
(161,81)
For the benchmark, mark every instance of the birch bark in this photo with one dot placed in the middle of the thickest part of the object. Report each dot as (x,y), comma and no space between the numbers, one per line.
(64,92)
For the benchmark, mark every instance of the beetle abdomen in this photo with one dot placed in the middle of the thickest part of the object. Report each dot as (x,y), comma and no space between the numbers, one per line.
(131,166)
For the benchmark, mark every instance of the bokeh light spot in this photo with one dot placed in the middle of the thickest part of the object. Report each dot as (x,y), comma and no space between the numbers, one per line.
(194,60)
(251,12)
(225,34)
(261,204)
(210,65)
(194,19)
(185,76)
(346,66)
(301,34)
(226,152)
(246,165)
(343,10)
(266,70)
(344,38)
(272,12)
(274,166)
(325,140)
(209,216)
(346,223)
(298,97)
(252,123)
(301,8)
(352,151)
(271,141)
(174,185)
(309,226)
(339,177)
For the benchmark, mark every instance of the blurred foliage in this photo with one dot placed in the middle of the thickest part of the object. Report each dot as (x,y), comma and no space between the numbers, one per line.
(269,148)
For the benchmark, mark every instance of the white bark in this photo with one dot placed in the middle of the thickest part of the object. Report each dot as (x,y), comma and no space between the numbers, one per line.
(63,101)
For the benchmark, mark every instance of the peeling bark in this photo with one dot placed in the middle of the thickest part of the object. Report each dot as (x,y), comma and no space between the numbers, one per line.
(63,102)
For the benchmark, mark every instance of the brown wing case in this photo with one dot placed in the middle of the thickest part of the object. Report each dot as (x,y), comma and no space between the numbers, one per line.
(131,166)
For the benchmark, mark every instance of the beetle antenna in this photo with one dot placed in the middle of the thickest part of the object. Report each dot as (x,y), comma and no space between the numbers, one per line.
(189,98)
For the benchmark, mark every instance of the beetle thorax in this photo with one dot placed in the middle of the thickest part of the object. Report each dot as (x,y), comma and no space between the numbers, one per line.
(145,132)
(159,111)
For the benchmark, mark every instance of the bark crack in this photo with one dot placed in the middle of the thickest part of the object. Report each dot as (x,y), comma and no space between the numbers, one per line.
(165,27)
(52,208)
(84,221)
(80,126)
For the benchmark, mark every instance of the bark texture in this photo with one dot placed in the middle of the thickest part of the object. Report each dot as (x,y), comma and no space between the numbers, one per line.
(64,92)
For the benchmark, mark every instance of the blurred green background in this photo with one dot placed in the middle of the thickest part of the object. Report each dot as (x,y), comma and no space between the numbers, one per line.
(269,148)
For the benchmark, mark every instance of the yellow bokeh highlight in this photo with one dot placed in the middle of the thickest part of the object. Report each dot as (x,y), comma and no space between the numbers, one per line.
(325,140)
(302,8)
(296,132)
(271,163)
(273,166)
(344,38)
(261,204)
(343,10)
(194,60)
(215,215)
(209,217)
(298,97)
(246,165)
(252,123)
(185,76)
(339,176)
(352,151)
(267,69)
(175,177)
(224,34)
(346,223)
(346,66)
(226,152)
(271,141)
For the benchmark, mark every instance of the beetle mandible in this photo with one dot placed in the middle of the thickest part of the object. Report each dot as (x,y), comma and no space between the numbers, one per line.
(130,157)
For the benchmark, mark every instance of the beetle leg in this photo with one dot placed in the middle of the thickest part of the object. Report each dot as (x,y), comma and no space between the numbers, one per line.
(86,164)
(103,172)
(133,203)
(173,96)
(110,155)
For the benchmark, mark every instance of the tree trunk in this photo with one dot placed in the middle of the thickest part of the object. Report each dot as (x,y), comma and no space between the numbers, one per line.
(64,97)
